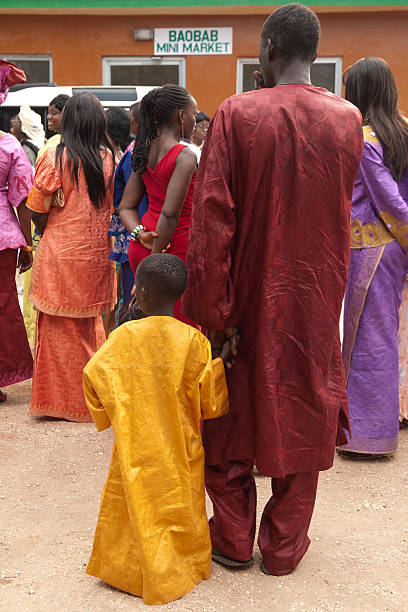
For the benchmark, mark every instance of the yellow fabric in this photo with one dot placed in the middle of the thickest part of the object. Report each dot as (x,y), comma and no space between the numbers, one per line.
(153,380)
(29,313)
(54,141)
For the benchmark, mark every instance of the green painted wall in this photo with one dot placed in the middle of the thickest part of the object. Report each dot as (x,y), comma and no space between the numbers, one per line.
(21,4)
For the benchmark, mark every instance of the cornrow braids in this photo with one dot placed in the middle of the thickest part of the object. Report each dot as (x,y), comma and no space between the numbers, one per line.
(156,109)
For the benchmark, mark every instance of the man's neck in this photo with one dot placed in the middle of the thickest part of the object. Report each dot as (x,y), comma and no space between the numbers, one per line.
(297,72)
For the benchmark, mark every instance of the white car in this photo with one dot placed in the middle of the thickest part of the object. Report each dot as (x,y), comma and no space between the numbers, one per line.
(40,97)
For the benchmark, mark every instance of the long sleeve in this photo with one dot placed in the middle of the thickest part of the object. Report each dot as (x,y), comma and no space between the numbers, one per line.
(384,194)
(95,407)
(213,387)
(47,180)
(209,298)
(20,178)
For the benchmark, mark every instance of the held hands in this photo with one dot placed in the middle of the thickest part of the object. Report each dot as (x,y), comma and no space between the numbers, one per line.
(224,343)
(25,260)
(146,240)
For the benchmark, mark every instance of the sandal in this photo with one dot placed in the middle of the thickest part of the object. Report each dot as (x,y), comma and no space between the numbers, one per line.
(229,562)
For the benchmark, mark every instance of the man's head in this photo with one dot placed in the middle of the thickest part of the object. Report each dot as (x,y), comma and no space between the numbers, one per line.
(160,281)
(16,128)
(289,36)
(134,118)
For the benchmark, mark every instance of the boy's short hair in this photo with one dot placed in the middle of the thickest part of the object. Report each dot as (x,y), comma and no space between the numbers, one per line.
(163,273)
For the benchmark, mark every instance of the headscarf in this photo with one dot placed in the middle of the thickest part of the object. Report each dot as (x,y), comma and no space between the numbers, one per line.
(31,125)
(9,75)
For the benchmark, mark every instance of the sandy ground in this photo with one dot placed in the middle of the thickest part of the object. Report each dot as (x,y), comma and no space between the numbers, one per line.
(51,478)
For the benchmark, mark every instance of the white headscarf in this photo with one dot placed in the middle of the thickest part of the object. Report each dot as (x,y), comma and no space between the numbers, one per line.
(31,125)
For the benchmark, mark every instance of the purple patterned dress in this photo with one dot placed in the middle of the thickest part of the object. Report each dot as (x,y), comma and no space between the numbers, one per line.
(378,268)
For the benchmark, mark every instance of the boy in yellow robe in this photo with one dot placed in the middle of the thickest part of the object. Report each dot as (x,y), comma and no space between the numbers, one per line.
(153,380)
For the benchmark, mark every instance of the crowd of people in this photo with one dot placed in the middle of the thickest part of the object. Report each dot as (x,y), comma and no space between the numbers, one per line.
(198,271)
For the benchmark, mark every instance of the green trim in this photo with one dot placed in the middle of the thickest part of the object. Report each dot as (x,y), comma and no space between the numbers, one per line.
(56,4)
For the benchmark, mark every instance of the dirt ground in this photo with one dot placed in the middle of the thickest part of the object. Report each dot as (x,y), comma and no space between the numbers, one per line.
(51,478)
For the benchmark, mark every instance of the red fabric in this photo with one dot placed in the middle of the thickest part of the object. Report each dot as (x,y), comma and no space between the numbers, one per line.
(16,362)
(63,347)
(269,250)
(282,537)
(156,182)
(13,74)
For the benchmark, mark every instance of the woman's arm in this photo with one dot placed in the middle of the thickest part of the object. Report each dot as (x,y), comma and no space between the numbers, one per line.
(384,194)
(176,193)
(40,221)
(24,217)
(133,193)
(25,258)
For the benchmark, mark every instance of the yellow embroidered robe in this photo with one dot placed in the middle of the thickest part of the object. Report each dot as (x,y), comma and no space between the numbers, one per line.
(153,380)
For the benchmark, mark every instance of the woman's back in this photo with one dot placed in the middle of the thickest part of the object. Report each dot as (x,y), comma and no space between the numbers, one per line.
(75,245)
(156,180)
(15,183)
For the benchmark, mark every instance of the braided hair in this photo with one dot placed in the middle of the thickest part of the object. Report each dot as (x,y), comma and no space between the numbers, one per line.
(156,109)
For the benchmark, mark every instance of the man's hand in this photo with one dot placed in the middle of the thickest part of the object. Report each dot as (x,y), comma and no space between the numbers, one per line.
(224,343)
(259,80)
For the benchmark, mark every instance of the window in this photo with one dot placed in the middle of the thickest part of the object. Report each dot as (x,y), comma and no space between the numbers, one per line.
(38,68)
(143,71)
(325,72)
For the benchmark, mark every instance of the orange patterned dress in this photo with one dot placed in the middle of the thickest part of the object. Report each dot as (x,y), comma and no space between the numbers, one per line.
(72,285)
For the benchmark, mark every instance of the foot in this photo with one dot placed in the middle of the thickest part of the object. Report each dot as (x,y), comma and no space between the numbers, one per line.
(265,570)
(3,396)
(229,562)
(355,455)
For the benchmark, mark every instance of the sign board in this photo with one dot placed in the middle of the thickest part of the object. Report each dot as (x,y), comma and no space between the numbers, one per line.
(193,41)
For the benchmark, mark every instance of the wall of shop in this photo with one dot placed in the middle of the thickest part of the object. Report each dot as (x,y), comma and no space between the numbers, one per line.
(77,44)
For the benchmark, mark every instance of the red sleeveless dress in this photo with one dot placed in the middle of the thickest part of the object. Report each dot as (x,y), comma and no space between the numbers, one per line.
(156,182)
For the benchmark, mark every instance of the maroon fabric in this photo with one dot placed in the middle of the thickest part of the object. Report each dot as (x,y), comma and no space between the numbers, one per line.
(16,362)
(268,252)
(282,537)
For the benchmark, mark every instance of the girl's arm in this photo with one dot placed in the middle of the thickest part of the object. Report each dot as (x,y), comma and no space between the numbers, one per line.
(132,194)
(25,258)
(176,193)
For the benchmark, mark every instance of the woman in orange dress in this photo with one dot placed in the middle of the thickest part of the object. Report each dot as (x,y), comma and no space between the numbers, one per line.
(72,281)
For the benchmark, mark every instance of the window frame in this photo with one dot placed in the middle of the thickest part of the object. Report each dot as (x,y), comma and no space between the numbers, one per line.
(336,60)
(241,62)
(338,70)
(16,57)
(135,60)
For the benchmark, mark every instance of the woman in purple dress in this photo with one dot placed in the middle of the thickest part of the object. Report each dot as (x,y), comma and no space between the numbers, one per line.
(378,263)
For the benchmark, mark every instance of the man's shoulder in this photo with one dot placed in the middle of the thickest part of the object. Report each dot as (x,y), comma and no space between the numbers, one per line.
(238,101)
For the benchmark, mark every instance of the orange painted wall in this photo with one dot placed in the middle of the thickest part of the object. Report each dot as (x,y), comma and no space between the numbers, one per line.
(78,43)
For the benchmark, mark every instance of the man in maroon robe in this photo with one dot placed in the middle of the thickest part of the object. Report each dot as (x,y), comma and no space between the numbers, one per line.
(268,253)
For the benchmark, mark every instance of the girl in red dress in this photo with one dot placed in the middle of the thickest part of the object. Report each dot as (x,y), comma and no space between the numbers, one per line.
(165,169)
